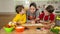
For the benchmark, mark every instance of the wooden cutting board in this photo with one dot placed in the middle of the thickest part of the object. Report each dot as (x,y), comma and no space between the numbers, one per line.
(32,25)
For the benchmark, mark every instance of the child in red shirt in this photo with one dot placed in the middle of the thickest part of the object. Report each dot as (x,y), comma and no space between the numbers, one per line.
(47,16)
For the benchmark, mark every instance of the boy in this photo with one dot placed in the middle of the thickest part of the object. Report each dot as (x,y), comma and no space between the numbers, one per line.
(47,17)
(20,17)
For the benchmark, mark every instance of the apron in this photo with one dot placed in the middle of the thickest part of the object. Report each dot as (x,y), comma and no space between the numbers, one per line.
(32,16)
(48,18)
(50,25)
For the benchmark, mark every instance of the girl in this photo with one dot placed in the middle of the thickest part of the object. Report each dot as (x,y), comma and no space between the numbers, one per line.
(32,13)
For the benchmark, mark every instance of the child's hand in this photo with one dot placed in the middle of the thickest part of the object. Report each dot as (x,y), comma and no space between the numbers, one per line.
(17,24)
(41,21)
(20,22)
(45,22)
(32,22)
(36,19)
(47,26)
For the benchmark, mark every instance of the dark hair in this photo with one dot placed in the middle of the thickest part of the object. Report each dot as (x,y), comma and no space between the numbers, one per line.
(20,8)
(33,4)
(50,8)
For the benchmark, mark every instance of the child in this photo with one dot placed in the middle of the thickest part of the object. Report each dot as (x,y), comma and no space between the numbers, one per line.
(48,16)
(20,17)
(32,13)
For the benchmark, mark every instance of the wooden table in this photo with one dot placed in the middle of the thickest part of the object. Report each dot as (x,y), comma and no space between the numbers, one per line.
(2,31)
(30,31)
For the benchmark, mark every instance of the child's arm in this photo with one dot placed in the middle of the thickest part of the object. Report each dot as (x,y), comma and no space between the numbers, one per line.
(39,18)
(24,20)
(37,13)
(16,18)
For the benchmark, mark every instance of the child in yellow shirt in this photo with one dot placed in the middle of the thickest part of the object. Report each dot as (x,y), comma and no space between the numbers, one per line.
(20,17)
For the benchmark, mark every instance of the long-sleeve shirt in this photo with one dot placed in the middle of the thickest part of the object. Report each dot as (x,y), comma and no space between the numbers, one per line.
(48,17)
(20,18)
(34,15)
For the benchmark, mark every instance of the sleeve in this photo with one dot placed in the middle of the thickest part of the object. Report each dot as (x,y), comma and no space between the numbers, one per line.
(24,19)
(37,14)
(16,18)
(41,16)
(52,17)
(27,14)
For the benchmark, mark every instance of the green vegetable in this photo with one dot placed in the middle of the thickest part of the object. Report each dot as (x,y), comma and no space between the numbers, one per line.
(55,30)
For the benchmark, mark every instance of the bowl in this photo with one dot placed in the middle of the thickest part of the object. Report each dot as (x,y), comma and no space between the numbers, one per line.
(19,29)
(8,29)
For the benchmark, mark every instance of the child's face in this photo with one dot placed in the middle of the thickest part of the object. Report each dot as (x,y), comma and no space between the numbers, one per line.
(46,12)
(22,11)
(32,9)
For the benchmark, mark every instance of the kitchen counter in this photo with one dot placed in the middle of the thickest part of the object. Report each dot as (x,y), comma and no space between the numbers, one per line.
(2,31)
(28,31)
